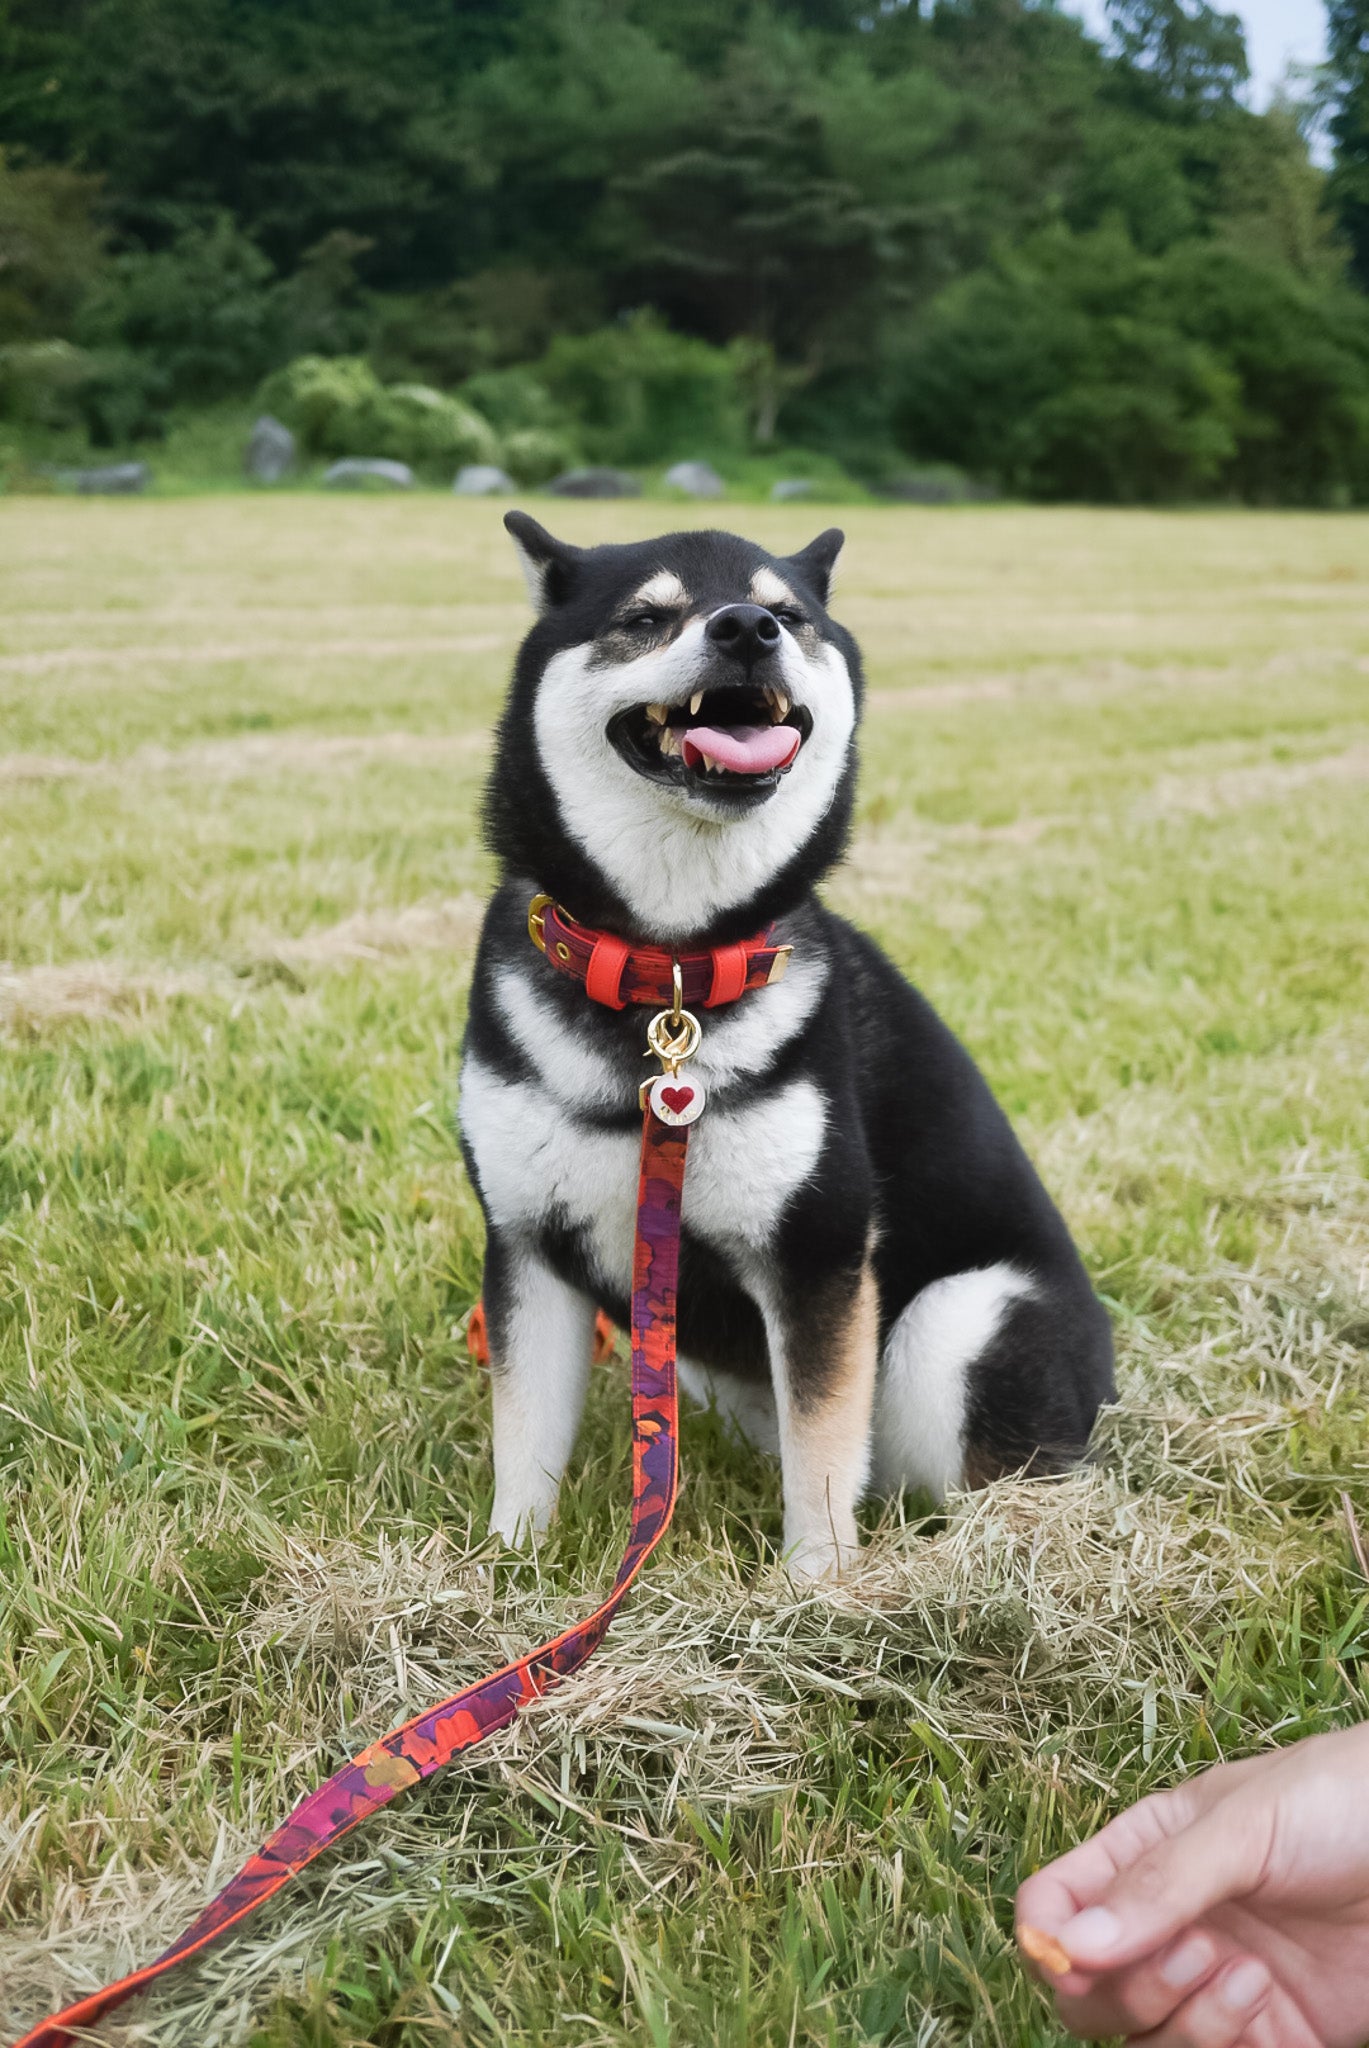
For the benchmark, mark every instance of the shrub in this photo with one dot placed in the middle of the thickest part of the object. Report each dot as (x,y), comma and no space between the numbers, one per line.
(533,455)
(512,400)
(318,396)
(338,406)
(114,395)
(640,393)
(539,441)
(417,424)
(123,397)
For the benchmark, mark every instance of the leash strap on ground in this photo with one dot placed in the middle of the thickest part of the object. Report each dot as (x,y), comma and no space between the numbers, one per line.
(422,1746)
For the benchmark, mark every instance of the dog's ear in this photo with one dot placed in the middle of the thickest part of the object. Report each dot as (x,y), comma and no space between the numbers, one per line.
(817,561)
(548,564)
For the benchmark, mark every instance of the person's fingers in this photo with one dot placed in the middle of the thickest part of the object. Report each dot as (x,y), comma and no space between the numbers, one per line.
(1051,1897)
(1174,1882)
(1054,1894)
(1219,2013)
(1137,2000)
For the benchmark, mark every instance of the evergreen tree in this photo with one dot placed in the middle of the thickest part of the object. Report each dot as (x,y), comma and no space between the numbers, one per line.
(1348,80)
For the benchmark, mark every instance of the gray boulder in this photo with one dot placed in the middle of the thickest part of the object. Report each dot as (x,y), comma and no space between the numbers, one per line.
(356,471)
(790,487)
(595,483)
(270,451)
(116,480)
(696,480)
(482,480)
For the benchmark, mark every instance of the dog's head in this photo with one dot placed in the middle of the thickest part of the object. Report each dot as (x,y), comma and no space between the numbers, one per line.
(677,751)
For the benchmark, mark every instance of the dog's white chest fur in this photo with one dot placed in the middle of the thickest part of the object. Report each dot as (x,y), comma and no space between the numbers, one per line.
(540,1162)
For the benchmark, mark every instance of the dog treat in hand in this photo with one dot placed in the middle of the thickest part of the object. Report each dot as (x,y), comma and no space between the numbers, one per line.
(1044,1949)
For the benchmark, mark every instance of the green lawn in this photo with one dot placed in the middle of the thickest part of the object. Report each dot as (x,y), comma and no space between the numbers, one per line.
(1115,820)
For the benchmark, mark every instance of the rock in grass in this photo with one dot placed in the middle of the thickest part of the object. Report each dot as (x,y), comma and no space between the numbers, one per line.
(791,487)
(270,451)
(696,480)
(357,471)
(482,480)
(595,483)
(115,480)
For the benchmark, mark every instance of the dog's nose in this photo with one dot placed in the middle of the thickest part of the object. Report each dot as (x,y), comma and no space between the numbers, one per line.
(745,631)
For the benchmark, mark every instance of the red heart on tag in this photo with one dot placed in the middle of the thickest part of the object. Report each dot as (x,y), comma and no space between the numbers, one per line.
(677,1099)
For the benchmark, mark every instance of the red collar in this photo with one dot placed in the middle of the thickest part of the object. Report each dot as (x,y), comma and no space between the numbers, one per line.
(617,974)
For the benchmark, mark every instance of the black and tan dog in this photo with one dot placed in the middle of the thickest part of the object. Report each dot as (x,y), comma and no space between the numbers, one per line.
(873,1280)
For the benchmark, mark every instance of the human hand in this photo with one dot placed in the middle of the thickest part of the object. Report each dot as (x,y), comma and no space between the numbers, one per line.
(1232,1912)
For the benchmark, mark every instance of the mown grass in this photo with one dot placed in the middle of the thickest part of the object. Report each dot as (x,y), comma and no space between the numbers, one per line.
(1114,821)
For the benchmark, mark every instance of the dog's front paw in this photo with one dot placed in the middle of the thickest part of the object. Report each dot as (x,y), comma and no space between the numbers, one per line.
(814,1558)
(519,1523)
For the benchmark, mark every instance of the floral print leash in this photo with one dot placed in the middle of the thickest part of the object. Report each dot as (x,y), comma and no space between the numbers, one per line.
(422,1746)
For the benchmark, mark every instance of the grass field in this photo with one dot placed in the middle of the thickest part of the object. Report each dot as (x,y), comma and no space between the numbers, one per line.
(1115,820)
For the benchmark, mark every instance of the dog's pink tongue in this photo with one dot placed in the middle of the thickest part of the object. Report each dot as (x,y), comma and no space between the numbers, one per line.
(744,749)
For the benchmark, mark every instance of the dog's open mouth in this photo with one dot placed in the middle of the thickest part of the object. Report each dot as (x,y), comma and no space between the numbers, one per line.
(730,743)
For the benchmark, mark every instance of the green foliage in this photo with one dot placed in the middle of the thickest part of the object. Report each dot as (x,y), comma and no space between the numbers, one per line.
(39,381)
(745,233)
(513,400)
(1348,84)
(642,393)
(124,397)
(1301,358)
(202,309)
(1046,372)
(338,406)
(198,192)
(538,436)
(414,423)
(533,455)
(50,248)
(1080,367)
(319,397)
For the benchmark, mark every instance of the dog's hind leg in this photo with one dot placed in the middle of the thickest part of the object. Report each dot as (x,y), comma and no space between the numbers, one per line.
(824,1342)
(987,1372)
(746,1406)
(541,1339)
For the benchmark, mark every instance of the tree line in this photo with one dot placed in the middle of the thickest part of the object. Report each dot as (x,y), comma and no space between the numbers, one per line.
(964,232)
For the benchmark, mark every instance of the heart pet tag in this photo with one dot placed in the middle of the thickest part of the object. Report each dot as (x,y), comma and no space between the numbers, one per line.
(675,1100)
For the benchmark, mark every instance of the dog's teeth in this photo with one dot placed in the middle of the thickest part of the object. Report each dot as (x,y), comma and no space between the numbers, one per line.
(669,740)
(695,701)
(658,713)
(781,703)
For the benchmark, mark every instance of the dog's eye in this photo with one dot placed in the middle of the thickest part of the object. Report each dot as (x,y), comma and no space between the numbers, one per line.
(644,622)
(787,615)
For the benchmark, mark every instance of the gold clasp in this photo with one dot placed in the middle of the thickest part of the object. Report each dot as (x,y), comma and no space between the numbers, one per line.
(673,1038)
(537,911)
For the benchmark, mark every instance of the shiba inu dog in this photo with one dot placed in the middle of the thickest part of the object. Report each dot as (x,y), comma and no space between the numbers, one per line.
(873,1282)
